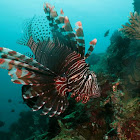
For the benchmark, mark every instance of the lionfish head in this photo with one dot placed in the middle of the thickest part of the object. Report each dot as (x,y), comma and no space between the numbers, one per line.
(89,88)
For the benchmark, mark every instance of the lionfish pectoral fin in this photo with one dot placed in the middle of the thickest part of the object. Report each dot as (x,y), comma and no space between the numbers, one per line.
(55,105)
(49,102)
(22,69)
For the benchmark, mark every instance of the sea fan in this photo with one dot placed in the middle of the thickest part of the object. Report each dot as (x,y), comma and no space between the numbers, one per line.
(132,29)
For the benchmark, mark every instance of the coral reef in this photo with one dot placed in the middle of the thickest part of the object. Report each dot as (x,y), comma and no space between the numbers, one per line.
(132,29)
(4,136)
(68,134)
(110,117)
(28,124)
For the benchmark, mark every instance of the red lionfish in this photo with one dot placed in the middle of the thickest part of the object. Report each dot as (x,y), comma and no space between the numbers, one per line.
(59,67)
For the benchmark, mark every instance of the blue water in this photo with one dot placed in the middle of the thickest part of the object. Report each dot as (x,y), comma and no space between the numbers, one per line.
(97,16)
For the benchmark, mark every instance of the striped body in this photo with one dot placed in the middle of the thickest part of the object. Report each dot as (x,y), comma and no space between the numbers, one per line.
(80,80)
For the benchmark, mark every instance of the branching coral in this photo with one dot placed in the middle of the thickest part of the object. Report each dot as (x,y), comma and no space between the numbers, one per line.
(127,121)
(68,134)
(132,29)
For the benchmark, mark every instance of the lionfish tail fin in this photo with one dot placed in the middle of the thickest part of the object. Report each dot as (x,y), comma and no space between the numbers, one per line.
(91,48)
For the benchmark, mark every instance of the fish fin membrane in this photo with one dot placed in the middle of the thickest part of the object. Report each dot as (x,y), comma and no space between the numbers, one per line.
(49,101)
(37,28)
(41,29)
(49,53)
(22,69)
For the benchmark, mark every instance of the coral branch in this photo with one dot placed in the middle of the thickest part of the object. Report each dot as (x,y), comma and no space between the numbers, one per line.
(132,29)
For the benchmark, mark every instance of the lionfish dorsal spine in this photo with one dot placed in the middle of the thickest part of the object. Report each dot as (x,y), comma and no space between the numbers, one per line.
(61,24)
(91,48)
(80,38)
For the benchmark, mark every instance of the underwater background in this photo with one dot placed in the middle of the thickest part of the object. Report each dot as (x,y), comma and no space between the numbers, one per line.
(116,59)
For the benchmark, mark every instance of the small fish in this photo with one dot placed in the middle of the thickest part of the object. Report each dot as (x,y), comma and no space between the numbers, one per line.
(9,101)
(2,123)
(12,110)
(59,67)
(106,33)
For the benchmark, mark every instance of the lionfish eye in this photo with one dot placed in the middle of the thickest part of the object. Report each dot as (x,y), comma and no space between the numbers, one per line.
(90,77)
